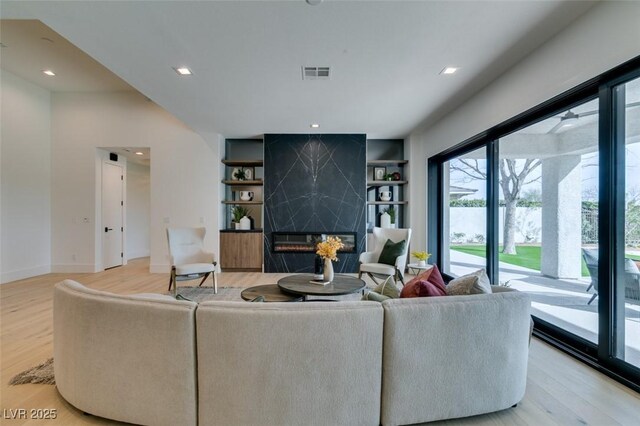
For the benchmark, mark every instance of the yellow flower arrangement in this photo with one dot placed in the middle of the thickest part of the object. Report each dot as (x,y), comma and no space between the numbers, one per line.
(329,249)
(420,255)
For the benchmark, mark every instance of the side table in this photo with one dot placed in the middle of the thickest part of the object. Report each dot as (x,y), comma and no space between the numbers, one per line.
(416,269)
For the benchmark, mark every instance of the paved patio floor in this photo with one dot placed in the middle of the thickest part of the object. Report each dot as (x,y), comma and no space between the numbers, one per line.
(560,302)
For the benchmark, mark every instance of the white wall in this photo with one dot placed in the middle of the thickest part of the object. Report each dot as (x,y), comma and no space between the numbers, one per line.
(606,36)
(26,179)
(183,185)
(138,210)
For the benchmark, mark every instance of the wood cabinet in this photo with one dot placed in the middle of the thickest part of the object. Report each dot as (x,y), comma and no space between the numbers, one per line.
(241,250)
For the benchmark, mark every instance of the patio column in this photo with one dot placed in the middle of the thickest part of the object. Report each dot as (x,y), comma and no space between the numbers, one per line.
(561,216)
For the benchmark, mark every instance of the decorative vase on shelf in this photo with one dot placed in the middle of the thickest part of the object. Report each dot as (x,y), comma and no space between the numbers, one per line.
(422,263)
(385,220)
(245,223)
(318,270)
(328,270)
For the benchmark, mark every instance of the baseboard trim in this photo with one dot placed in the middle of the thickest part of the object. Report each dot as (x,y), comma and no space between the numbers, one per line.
(138,254)
(22,274)
(73,269)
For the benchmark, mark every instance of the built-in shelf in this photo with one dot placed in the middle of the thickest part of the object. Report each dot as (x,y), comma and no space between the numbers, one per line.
(398,163)
(387,203)
(386,182)
(258,182)
(238,202)
(243,163)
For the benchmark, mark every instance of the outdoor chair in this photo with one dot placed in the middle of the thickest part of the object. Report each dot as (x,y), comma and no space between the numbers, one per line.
(631,276)
(189,260)
(369,261)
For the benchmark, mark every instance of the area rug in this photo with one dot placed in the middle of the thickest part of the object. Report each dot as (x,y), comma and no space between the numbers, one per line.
(203,294)
(40,374)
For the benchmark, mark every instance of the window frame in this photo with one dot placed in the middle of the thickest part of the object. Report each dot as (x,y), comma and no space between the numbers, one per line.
(611,211)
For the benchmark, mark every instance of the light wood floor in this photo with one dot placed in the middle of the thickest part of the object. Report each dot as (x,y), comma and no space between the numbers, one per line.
(560,390)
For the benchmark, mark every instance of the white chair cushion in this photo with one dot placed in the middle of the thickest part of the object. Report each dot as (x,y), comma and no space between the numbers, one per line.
(378,268)
(194,268)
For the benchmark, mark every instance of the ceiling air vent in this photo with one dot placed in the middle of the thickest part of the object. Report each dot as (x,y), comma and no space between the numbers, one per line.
(316,73)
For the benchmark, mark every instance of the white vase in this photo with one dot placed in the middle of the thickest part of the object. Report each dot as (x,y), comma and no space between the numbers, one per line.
(328,270)
(422,263)
(385,220)
(245,223)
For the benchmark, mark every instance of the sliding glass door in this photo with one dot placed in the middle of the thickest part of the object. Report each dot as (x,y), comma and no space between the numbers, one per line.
(626,306)
(548,235)
(549,203)
(464,195)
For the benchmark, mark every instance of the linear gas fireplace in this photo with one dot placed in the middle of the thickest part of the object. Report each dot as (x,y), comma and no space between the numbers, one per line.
(305,242)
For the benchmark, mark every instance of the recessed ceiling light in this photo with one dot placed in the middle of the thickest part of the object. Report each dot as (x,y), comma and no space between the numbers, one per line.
(139,153)
(315,126)
(183,71)
(49,72)
(449,70)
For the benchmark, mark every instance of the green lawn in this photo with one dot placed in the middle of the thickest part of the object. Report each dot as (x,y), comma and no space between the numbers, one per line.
(527,257)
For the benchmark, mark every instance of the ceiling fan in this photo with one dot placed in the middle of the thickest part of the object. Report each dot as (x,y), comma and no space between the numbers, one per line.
(570,118)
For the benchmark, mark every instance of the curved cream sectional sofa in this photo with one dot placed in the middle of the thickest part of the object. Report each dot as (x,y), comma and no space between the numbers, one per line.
(150,359)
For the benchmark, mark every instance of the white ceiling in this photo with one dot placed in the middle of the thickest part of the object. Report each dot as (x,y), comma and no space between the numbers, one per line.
(32,47)
(247,56)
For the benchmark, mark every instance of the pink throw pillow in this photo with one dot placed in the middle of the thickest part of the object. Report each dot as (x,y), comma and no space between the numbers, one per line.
(427,284)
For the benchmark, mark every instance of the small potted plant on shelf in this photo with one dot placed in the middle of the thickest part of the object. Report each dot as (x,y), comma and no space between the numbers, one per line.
(239,214)
(240,174)
(422,257)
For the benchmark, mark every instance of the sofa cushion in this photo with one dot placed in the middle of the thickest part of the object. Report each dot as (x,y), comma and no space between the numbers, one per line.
(474,283)
(391,251)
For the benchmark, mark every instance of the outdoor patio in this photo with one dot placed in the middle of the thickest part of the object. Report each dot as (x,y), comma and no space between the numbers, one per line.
(558,301)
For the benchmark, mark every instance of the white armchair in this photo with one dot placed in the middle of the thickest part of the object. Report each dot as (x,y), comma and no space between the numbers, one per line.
(189,261)
(369,260)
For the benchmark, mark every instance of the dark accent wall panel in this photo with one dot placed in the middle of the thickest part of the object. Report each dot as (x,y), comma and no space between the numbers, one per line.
(314,183)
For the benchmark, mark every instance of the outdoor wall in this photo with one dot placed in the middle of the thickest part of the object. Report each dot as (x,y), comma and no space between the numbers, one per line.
(580,52)
(184,191)
(25,179)
(471,221)
(138,210)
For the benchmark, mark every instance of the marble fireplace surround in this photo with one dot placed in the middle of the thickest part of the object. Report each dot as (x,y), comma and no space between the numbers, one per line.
(314,184)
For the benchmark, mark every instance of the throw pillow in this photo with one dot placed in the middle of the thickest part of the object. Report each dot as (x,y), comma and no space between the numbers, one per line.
(423,276)
(377,297)
(391,251)
(388,288)
(474,283)
(427,284)
(462,285)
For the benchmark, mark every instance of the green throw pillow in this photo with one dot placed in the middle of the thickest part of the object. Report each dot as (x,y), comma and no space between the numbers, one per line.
(388,288)
(390,251)
(376,297)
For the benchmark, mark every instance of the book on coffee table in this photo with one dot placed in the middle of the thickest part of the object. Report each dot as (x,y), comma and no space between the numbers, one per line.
(319,282)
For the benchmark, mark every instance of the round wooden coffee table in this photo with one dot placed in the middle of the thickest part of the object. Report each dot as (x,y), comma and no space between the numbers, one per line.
(270,292)
(341,285)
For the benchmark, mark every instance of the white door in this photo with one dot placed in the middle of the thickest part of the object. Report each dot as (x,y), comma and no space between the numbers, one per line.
(112,209)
